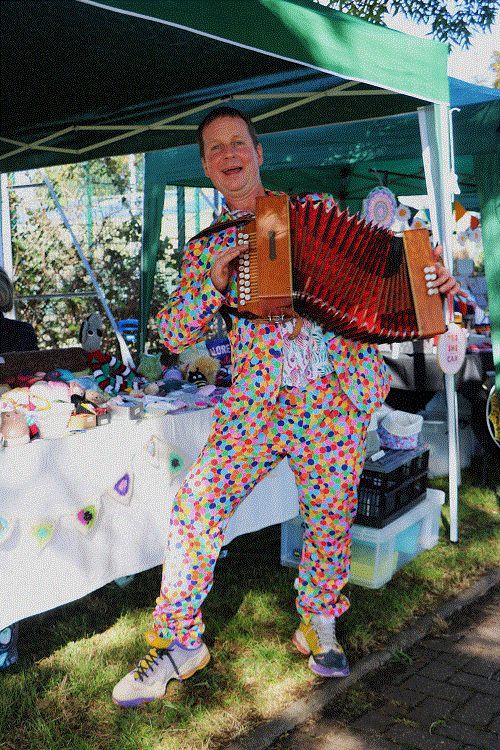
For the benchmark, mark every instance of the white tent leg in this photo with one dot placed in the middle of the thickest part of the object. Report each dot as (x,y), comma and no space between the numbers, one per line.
(124,350)
(436,153)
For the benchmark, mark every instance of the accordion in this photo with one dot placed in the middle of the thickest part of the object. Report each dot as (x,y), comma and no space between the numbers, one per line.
(355,279)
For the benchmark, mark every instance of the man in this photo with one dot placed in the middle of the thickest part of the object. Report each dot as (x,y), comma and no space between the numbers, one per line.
(308,398)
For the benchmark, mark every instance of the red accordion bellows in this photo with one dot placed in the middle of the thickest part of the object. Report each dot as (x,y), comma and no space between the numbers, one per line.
(349,276)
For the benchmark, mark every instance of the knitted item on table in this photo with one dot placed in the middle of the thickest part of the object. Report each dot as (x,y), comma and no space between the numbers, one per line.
(112,375)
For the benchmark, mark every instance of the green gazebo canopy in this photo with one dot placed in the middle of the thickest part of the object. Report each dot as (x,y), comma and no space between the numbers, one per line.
(125,76)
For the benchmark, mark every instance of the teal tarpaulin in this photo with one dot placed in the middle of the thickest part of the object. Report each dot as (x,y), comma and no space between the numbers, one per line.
(487,168)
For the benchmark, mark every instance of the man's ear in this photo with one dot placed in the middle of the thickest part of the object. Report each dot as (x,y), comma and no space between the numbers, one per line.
(204,165)
(260,154)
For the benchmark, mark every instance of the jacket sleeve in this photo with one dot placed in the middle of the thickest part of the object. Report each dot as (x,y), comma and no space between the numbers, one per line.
(361,371)
(183,322)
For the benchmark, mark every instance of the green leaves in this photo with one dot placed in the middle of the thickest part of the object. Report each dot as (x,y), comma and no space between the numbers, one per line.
(452,22)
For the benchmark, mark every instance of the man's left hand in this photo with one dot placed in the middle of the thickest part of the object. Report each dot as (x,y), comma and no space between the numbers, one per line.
(445,282)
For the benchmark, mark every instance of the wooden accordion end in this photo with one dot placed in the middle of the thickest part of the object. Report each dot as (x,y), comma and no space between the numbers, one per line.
(350,277)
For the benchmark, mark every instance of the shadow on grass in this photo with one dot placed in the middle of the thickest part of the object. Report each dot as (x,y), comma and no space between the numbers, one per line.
(249,564)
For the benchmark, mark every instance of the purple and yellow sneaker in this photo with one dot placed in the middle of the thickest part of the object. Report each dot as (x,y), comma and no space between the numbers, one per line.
(165,661)
(317,638)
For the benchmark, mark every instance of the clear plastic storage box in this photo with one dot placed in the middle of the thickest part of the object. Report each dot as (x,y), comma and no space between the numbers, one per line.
(378,553)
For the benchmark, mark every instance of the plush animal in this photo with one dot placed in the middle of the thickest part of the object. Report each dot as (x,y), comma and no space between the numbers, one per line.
(203,370)
(110,372)
(198,367)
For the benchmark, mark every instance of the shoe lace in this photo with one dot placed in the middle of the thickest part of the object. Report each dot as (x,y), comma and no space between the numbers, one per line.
(325,630)
(152,658)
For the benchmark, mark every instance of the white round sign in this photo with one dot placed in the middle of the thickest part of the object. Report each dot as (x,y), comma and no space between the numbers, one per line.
(451,349)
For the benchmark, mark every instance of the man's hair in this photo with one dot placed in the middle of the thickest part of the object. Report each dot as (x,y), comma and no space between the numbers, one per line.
(214,114)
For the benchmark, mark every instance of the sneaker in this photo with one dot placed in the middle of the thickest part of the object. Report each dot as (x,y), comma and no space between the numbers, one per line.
(8,646)
(318,639)
(165,661)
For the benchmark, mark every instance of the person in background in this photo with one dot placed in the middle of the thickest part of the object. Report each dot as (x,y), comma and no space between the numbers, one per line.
(15,336)
(307,397)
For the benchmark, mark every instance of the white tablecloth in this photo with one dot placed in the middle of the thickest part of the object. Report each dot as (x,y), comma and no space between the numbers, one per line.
(46,483)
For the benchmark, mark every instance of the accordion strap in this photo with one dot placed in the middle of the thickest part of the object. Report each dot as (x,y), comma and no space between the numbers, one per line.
(221,225)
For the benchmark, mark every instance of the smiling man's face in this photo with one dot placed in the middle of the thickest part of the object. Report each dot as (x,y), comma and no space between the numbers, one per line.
(231,161)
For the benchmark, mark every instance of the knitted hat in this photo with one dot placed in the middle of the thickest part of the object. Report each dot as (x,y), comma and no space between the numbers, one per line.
(6,292)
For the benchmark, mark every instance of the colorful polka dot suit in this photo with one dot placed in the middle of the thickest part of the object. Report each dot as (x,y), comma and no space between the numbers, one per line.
(321,430)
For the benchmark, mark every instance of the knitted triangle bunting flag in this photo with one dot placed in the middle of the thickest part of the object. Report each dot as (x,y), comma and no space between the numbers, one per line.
(123,488)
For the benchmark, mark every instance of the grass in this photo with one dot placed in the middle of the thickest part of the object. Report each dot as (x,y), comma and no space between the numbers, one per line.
(57,696)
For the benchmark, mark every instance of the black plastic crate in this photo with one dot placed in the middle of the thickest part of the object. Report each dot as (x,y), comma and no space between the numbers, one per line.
(394,468)
(377,509)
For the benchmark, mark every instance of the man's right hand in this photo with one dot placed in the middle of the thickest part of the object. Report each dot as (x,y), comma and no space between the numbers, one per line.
(224,265)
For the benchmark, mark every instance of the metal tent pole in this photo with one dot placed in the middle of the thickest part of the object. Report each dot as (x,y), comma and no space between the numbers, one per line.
(124,350)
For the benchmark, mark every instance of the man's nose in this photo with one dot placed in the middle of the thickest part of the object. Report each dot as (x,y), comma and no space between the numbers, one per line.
(228,150)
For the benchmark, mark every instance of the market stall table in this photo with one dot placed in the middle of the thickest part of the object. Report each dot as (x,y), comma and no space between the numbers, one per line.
(404,369)
(80,511)
(415,374)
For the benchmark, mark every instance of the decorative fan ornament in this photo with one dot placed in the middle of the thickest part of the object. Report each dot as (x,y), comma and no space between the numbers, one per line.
(123,488)
(403,213)
(379,207)
(176,462)
(420,220)
(474,235)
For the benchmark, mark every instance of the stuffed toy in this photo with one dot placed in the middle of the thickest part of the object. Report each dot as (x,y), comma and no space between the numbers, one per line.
(203,371)
(14,428)
(111,374)
(198,367)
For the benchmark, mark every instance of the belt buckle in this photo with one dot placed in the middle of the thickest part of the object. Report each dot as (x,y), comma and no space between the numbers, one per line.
(276,318)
